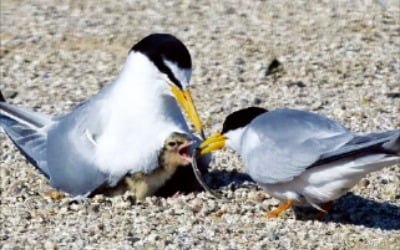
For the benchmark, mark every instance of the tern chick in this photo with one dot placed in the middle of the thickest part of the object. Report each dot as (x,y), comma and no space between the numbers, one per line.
(300,157)
(174,154)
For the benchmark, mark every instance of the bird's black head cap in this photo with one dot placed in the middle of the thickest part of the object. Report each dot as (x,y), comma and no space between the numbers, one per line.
(159,47)
(241,118)
(2,99)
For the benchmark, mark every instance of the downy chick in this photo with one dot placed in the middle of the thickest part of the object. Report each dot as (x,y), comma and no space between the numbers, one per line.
(174,154)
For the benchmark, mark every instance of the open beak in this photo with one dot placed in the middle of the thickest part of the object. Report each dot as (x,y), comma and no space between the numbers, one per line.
(213,143)
(185,100)
(184,151)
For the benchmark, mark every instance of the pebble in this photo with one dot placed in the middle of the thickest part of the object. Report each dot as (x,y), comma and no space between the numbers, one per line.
(339,59)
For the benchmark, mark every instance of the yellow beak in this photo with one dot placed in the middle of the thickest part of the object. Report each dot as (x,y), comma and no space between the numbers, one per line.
(213,143)
(184,98)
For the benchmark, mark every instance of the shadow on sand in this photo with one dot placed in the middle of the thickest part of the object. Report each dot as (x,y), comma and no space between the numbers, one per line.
(356,210)
(349,209)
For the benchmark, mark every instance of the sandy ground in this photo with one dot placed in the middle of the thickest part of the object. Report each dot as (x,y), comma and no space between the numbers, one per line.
(340,59)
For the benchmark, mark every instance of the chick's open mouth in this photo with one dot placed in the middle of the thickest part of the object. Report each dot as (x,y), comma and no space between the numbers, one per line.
(184,151)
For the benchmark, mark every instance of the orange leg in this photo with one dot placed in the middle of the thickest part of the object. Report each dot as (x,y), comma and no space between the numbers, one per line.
(327,206)
(282,207)
(55,195)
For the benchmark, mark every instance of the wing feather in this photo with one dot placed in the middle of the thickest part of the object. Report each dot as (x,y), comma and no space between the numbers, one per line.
(288,142)
(282,144)
(27,130)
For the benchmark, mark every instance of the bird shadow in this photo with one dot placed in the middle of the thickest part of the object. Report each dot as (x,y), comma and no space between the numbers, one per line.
(349,209)
(217,179)
(356,210)
(185,182)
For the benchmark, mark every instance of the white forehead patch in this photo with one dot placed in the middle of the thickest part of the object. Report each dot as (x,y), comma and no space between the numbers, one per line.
(183,75)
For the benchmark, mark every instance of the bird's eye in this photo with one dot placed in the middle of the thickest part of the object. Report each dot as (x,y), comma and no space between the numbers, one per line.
(172,144)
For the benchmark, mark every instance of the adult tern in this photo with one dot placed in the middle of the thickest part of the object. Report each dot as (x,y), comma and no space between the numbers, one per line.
(300,157)
(118,132)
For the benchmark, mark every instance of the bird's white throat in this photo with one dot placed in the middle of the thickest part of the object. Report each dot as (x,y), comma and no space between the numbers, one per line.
(234,140)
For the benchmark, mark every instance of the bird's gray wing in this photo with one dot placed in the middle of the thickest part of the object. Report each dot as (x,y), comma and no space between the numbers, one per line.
(55,145)
(27,130)
(364,144)
(62,148)
(285,142)
(71,152)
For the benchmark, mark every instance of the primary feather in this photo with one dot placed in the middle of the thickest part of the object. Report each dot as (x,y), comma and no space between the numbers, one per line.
(28,131)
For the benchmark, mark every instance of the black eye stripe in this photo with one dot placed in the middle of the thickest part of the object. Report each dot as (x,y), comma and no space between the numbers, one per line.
(160,47)
(165,69)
